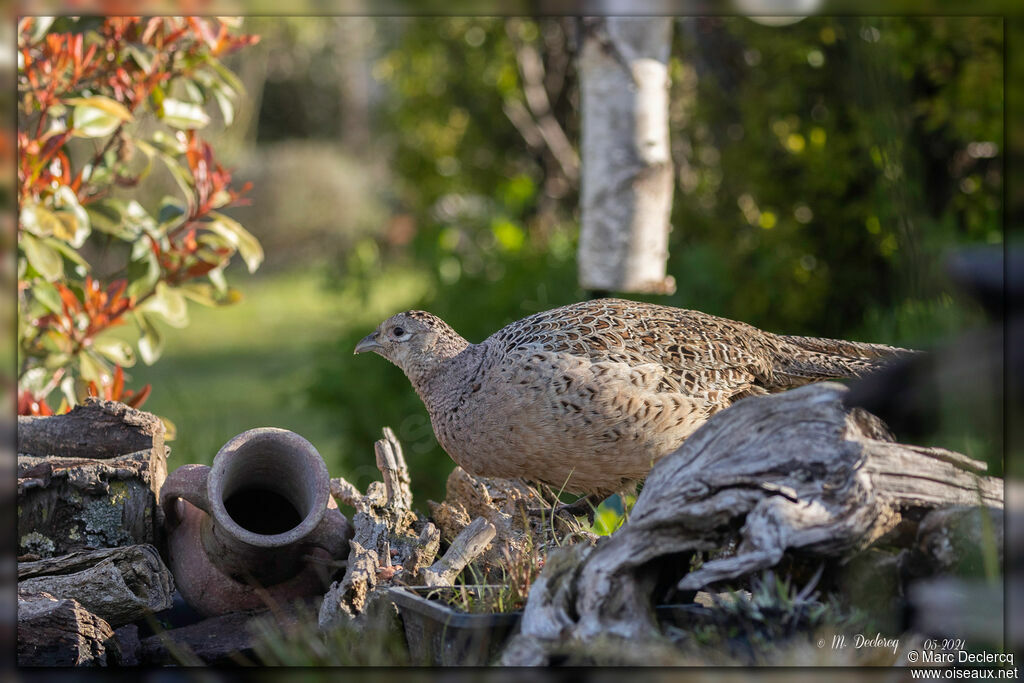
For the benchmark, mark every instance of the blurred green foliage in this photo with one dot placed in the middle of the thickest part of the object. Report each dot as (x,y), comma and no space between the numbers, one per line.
(823,170)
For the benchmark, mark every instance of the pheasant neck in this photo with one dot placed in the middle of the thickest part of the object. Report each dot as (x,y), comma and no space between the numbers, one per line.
(441,385)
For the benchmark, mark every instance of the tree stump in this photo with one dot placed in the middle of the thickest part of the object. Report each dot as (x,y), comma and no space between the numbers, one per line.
(791,471)
(89,479)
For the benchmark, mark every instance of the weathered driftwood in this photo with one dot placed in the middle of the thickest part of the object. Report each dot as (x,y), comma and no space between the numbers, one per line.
(390,544)
(119,585)
(60,632)
(89,479)
(792,471)
(467,546)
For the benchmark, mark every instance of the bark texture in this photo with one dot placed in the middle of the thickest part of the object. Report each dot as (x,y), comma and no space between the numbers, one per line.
(792,471)
(60,632)
(119,585)
(391,544)
(626,182)
(89,479)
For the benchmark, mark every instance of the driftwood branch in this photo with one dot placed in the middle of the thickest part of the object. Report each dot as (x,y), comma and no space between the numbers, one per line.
(119,585)
(391,544)
(466,547)
(792,471)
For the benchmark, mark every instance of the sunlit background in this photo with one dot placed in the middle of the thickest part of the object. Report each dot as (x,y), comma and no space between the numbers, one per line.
(823,169)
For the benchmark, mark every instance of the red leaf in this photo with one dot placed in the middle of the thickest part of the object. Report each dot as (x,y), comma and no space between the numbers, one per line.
(140,398)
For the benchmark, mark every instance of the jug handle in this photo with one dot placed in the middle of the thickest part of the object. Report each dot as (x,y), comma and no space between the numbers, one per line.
(331,534)
(188,483)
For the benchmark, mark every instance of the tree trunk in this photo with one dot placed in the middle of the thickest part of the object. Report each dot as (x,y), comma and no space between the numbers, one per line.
(626,183)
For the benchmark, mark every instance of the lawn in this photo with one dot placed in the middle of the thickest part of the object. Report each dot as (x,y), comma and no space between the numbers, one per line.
(249,365)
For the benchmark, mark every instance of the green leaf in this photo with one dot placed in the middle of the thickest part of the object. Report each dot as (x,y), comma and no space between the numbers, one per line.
(40,26)
(169,304)
(69,253)
(39,221)
(74,217)
(206,294)
(171,214)
(167,143)
(46,294)
(202,293)
(97,117)
(218,280)
(227,107)
(183,115)
(115,350)
(104,104)
(182,177)
(229,78)
(42,257)
(92,368)
(67,387)
(143,273)
(140,56)
(151,343)
(34,380)
(108,216)
(230,229)
(194,92)
(137,219)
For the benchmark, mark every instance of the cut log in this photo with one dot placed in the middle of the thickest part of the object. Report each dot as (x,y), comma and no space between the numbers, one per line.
(226,639)
(71,504)
(60,632)
(120,585)
(791,471)
(89,479)
(96,429)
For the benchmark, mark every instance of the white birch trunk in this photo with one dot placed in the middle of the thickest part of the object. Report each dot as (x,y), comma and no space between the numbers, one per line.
(626,183)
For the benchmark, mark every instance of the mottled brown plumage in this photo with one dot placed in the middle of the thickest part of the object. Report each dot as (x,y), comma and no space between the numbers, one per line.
(587,397)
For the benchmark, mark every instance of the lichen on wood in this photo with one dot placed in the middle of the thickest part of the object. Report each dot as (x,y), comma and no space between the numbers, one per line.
(89,479)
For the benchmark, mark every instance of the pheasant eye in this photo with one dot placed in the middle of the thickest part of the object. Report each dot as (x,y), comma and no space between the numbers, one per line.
(397,332)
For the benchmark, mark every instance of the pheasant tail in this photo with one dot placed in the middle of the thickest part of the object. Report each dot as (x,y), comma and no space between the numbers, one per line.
(807,359)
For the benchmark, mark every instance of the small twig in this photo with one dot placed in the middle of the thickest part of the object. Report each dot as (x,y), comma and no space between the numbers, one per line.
(470,542)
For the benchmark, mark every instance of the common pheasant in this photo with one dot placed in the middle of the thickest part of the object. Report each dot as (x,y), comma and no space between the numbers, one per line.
(587,397)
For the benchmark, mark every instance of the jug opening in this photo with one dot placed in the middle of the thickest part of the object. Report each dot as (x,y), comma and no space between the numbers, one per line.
(262,511)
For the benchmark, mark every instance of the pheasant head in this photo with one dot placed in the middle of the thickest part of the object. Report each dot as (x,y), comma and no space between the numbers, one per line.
(416,341)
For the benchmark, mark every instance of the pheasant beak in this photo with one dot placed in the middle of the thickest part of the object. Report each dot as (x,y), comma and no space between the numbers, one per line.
(368,343)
